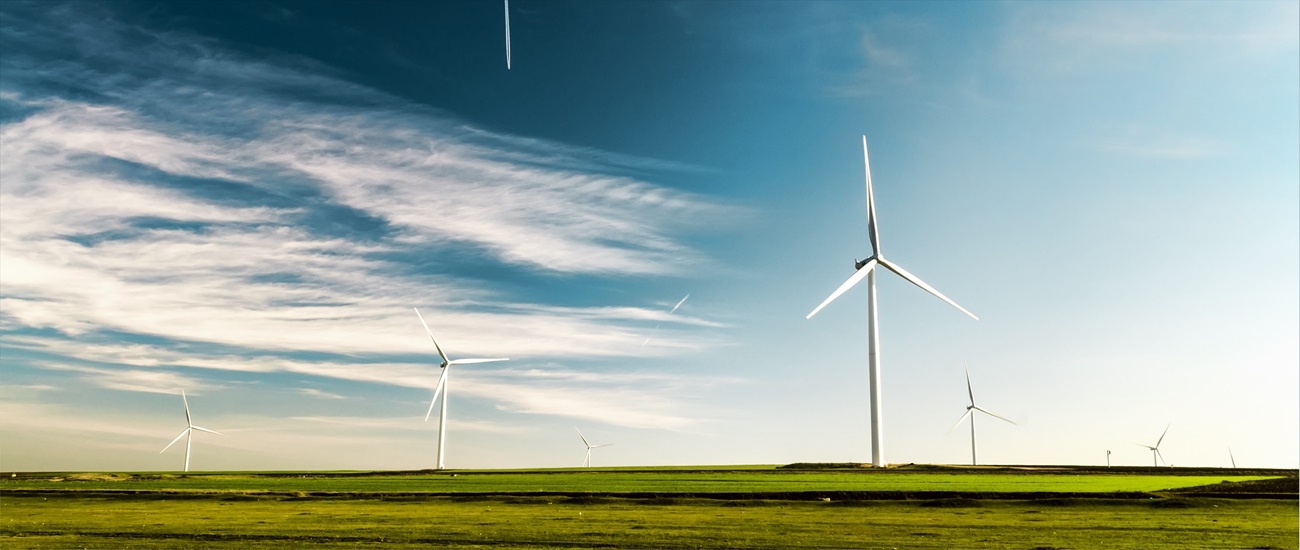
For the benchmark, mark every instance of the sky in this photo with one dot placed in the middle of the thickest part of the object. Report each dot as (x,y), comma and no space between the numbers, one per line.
(245,200)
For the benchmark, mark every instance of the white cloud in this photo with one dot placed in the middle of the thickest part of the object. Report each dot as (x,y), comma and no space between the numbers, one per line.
(234,227)
(149,381)
(227,262)
(1145,142)
(1085,38)
(623,398)
(313,392)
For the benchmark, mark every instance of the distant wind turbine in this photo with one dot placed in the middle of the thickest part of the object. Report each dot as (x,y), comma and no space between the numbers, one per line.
(670,312)
(441,388)
(188,433)
(586,461)
(970,411)
(867,269)
(1156,457)
(507,34)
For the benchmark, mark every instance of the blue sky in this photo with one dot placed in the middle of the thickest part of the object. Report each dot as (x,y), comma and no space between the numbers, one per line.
(245,200)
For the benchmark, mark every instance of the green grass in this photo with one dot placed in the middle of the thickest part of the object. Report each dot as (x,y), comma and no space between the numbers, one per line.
(585,508)
(768,480)
(539,522)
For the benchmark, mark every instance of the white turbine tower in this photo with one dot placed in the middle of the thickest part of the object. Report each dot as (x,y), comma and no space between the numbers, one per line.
(1156,457)
(586,461)
(188,433)
(970,412)
(441,388)
(867,269)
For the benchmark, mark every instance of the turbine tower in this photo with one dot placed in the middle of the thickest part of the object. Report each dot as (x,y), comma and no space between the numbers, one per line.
(867,269)
(1155,451)
(586,461)
(970,411)
(441,388)
(188,433)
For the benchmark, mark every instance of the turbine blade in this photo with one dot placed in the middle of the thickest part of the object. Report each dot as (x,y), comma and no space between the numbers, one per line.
(473,361)
(959,421)
(178,438)
(187,409)
(994,415)
(871,203)
(507,35)
(442,381)
(602,445)
(584,438)
(853,280)
(207,430)
(435,340)
(918,282)
(1232,458)
(969,391)
(1161,457)
(1162,435)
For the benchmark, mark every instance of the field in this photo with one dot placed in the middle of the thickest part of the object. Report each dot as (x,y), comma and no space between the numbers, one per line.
(715,507)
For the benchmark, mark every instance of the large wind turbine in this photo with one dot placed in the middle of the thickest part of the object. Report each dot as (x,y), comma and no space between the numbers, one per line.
(867,269)
(188,433)
(441,388)
(1155,451)
(970,411)
(586,461)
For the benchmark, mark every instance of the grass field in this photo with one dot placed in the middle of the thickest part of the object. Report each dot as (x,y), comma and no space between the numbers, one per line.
(592,509)
(766,480)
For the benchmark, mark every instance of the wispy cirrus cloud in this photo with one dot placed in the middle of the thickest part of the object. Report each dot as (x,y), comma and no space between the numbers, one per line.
(135,380)
(415,176)
(624,398)
(237,211)
(1083,39)
(1146,142)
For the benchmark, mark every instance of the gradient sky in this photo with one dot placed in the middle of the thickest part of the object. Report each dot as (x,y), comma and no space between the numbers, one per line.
(245,199)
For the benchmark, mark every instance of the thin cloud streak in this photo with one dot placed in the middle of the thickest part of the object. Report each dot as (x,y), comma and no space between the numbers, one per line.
(630,399)
(147,381)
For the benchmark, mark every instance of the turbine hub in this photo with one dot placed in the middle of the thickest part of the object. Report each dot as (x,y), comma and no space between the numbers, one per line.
(857,264)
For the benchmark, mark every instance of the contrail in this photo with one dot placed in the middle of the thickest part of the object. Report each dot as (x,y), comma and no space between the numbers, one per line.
(507,34)
(670,312)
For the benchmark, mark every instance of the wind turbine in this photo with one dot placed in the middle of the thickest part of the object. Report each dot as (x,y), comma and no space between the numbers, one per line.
(441,388)
(867,269)
(970,411)
(1155,451)
(586,462)
(507,34)
(188,433)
